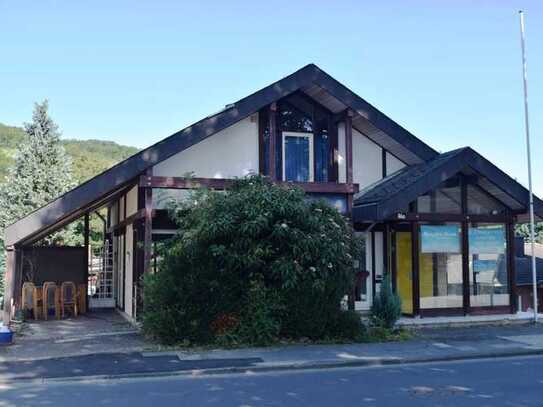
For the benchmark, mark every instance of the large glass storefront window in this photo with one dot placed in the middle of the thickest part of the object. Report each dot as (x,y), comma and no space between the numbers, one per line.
(488,274)
(440,266)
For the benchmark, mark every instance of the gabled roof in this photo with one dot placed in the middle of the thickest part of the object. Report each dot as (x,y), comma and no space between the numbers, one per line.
(394,193)
(310,79)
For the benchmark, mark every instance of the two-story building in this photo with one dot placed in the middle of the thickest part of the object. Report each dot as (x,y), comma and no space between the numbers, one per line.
(440,223)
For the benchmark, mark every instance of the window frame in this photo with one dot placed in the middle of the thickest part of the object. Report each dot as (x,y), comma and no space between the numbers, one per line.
(310,137)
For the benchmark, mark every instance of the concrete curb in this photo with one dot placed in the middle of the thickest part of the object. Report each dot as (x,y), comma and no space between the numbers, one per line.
(289,366)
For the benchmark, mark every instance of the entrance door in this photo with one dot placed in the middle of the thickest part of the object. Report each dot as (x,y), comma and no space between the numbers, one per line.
(404,269)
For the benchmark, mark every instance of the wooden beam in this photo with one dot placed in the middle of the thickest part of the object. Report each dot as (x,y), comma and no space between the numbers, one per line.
(513,302)
(465,246)
(383,162)
(223,183)
(127,221)
(147,230)
(148,227)
(349,146)
(272,170)
(415,267)
(9,285)
(442,217)
(86,231)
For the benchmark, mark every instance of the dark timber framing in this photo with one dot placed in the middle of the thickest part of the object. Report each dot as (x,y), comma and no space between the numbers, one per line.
(272,115)
(223,183)
(86,230)
(309,84)
(349,155)
(148,226)
(67,207)
(464,219)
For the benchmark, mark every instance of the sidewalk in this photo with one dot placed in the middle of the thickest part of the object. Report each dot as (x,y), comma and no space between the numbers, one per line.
(429,344)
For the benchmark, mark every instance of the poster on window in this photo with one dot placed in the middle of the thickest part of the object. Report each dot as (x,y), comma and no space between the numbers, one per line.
(481,266)
(487,240)
(440,239)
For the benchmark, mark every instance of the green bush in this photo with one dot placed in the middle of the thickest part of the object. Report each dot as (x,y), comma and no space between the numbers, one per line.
(386,308)
(252,264)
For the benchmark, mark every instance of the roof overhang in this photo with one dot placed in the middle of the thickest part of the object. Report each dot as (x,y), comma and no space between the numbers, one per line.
(310,79)
(393,194)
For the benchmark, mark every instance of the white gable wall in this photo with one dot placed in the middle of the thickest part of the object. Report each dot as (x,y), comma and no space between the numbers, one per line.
(367,160)
(232,152)
(393,164)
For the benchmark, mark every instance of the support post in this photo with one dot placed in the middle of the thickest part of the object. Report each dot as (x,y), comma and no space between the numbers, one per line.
(465,245)
(349,155)
(415,266)
(9,285)
(147,227)
(511,266)
(272,171)
(87,249)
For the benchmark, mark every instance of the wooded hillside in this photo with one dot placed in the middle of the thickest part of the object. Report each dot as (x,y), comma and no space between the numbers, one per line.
(90,157)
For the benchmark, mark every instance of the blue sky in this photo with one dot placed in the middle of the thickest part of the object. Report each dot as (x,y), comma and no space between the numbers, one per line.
(137,71)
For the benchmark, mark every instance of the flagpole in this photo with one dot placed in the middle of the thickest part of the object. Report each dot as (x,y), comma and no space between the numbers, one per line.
(529,155)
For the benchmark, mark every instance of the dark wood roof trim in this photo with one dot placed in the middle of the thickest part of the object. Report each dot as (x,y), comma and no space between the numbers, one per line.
(80,198)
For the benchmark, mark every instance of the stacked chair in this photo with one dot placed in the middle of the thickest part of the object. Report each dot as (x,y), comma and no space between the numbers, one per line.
(68,298)
(51,299)
(32,299)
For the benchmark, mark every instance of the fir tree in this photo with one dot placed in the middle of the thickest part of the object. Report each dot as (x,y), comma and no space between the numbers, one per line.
(42,171)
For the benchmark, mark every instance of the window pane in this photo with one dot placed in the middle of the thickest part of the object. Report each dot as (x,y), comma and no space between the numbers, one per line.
(165,198)
(479,203)
(291,119)
(444,199)
(321,157)
(297,159)
(440,273)
(488,274)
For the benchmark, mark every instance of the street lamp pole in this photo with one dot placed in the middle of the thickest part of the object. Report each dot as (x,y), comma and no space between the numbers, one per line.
(528,152)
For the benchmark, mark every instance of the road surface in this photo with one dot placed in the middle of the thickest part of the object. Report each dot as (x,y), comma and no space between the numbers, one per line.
(501,382)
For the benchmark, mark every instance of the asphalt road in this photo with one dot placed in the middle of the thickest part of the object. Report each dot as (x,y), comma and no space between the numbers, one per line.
(501,382)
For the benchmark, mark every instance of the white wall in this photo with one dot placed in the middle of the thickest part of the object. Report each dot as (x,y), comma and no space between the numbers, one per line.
(232,152)
(367,160)
(132,201)
(393,164)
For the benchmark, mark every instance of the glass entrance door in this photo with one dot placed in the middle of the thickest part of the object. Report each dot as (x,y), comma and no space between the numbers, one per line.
(403,262)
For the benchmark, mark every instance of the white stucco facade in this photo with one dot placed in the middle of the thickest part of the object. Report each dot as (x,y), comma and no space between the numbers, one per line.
(367,160)
(232,152)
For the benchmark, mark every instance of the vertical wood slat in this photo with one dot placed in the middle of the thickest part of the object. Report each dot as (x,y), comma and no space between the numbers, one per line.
(415,267)
(86,231)
(373,271)
(9,284)
(148,226)
(272,171)
(465,246)
(383,163)
(513,301)
(349,146)
(262,126)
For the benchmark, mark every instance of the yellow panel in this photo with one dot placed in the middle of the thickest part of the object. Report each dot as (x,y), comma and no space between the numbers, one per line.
(426,275)
(403,271)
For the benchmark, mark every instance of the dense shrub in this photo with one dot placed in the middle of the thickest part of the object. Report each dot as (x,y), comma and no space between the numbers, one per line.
(252,264)
(386,308)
